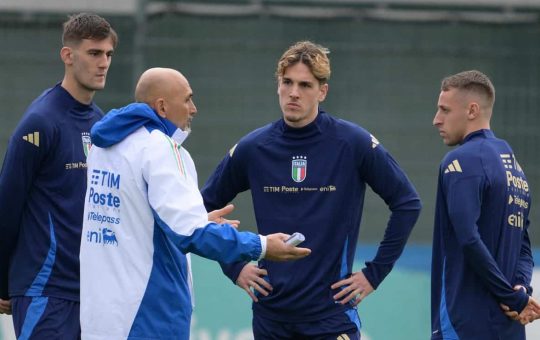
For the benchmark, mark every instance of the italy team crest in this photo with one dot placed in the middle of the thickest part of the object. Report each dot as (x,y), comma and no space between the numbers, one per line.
(86,142)
(299,168)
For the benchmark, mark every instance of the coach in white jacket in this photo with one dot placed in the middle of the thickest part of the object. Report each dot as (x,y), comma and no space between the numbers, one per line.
(143,213)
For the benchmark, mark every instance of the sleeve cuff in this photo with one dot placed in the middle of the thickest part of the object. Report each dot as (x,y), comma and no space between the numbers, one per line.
(369,276)
(263,247)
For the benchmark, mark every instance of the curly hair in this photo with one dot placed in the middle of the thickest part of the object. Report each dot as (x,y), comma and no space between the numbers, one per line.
(312,55)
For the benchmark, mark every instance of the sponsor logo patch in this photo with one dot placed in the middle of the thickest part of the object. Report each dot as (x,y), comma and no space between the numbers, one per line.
(453,167)
(32,138)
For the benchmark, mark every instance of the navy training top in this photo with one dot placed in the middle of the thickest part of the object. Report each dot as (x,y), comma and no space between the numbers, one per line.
(481,246)
(312,180)
(42,188)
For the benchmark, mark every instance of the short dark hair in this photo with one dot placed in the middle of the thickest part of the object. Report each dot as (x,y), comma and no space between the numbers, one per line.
(473,80)
(87,26)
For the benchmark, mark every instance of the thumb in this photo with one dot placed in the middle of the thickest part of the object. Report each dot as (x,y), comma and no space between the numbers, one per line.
(301,251)
(226,210)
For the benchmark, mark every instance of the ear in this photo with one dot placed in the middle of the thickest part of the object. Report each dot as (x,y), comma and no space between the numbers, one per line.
(474,111)
(323,91)
(66,53)
(161,107)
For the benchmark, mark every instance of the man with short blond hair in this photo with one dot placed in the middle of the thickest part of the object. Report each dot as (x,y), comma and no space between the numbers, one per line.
(482,262)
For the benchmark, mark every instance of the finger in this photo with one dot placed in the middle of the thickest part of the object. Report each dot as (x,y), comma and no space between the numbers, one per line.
(357,299)
(512,315)
(348,298)
(300,252)
(339,295)
(251,295)
(226,210)
(504,307)
(343,292)
(258,288)
(265,284)
(534,303)
(344,282)
(354,298)
(5,309)
(234,223)
(292,253)
(518,287)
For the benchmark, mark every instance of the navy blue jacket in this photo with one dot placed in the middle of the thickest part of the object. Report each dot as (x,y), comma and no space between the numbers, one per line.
(312,180)
(42,187)
(481,246)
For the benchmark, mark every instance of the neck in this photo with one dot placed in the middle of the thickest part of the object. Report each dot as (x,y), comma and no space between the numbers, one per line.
(302,123)
(80,93)
(479,125)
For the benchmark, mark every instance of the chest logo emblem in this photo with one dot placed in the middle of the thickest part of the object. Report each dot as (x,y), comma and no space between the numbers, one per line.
(299,168)
(86,142)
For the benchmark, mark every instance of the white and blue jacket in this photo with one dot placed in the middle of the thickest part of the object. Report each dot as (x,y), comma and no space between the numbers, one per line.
(143,213)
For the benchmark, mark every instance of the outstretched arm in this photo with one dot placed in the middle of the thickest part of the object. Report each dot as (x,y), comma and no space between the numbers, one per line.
(218,216)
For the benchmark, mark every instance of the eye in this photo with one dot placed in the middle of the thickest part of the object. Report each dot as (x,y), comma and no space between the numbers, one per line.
(286,81)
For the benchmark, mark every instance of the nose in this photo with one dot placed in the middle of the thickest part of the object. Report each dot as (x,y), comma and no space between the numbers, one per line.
(294,91)
(193,108)
(105,61)
(437,119)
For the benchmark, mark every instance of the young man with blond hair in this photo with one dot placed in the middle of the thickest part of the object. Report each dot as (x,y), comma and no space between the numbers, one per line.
(307,173)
